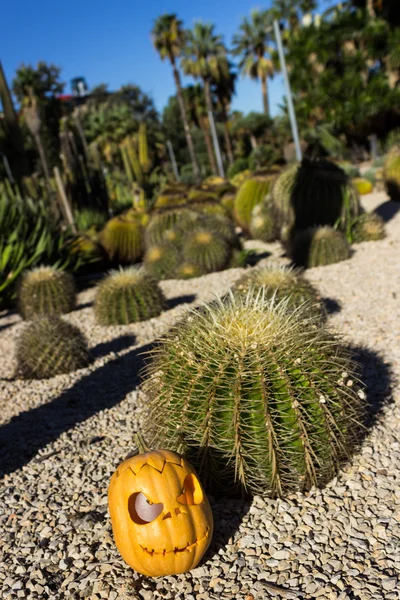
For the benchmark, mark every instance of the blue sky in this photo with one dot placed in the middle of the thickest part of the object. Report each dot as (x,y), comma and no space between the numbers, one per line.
(109,41)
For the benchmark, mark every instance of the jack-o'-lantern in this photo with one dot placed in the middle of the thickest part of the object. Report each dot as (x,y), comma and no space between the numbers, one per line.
(160,515)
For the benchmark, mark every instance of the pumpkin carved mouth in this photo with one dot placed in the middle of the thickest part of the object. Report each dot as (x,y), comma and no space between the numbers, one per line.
(177,550)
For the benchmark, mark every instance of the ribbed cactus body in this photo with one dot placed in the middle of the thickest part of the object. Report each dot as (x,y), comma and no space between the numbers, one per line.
(369,227)
(281,193)
(166,220)
(282,282)
(391,173)
(254,392)
(188,271)
(319,246)
(49,346)
(122,239)
(251,193)
(162,260)
(128,296)
(46,291)
(206,250)
(264,222)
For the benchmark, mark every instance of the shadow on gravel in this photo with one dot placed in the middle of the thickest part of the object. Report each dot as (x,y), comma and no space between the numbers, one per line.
(173,302)
(83,305)
(377,377)
(2,327)
(116,345)
(387,210)
(28,432)
(332,306)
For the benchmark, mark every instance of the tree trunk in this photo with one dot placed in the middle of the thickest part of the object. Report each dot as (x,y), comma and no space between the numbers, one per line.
(207,93)
(227,137)
(253,141)
(265,95)
(205,126)
(44,163)
(370,9)
(185,122)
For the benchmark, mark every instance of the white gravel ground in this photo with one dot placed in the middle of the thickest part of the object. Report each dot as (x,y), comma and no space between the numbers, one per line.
(61,439)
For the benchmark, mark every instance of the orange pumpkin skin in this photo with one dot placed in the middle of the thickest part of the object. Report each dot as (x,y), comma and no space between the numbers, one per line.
(173,542)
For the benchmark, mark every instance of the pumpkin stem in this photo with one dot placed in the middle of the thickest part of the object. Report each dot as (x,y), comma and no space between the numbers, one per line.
(141,443)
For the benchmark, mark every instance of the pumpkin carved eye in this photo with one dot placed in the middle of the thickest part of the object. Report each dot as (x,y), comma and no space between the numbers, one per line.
(142,510)
(191,492)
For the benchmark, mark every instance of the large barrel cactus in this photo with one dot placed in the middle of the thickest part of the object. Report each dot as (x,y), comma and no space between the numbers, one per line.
(264,221)
(46,291)
(206,250)
(162,260)
(256,395)
(391,173)
(49,346)
(128,296)
(251,193)
(319,246)
(122,239)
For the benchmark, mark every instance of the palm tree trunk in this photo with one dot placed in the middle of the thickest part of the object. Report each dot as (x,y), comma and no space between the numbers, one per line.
(253,140)
(370,9)
(185,122)
(205,127)
(227,137)
(207,93)
(265,95)
(43,161)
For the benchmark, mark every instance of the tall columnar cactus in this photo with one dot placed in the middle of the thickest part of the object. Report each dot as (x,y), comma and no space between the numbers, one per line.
(206,250)
(264,221)
(128,296)
(318,246)
(162,260)
(369,227)
(49,346)
(255,393)
(46,291)
(122,239)
(251,193)
(280,282)
(391,173)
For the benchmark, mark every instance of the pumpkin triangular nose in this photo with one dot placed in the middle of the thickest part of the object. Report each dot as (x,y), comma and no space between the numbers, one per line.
(167,516)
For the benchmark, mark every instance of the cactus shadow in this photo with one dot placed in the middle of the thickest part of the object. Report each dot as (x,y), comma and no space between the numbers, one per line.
(185,299)
(100,389)
(115,345)
(387,210)
(331,305)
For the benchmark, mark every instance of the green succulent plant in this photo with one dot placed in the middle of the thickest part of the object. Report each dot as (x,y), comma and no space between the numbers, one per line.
(280,282)
(369,227)
(122,239)
(50,346)
(46,291)
(162,260)
(264,222)
(188,271)
(128,296)
(251,192)
(162,222)
(391,173)
(318,246)
(206,250)
(255,395)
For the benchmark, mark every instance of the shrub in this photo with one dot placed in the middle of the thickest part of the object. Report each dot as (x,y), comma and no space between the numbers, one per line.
(46,291)
(127,296)
(49,346)
(240,164)
(255,395)
(319,246)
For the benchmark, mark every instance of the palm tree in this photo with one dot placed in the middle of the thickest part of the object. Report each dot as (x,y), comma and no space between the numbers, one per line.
(194,98)
(251,43)
(224,89)
(168,39)
(205,59)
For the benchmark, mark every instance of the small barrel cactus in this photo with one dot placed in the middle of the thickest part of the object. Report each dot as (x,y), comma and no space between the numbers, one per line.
(251,193)
(256,395)
(363,186)
(164,221)
(46,291)
(122,239)
(49,346)
(188,271)
(319,246)
(369,227)
(282,281)
(128,296)
(162,260)
(264,222)
(206,250)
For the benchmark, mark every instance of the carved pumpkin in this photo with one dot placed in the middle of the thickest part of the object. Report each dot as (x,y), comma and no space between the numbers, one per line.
(160,515)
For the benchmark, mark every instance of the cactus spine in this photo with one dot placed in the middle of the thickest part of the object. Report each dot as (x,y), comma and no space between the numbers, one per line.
(249,387)
(46,291)
(128,296)
(49,346)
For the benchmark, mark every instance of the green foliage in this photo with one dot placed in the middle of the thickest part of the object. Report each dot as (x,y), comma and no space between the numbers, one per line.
(206,250)
(128,296)
(256,395)
(318,246)
(250,193)
(263,156)
(264,221)
(86,218)
(49,346)
(240,164)
(391,173)
(46,291)
(122,239)
(369,227)
(162,259)
(280,282)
